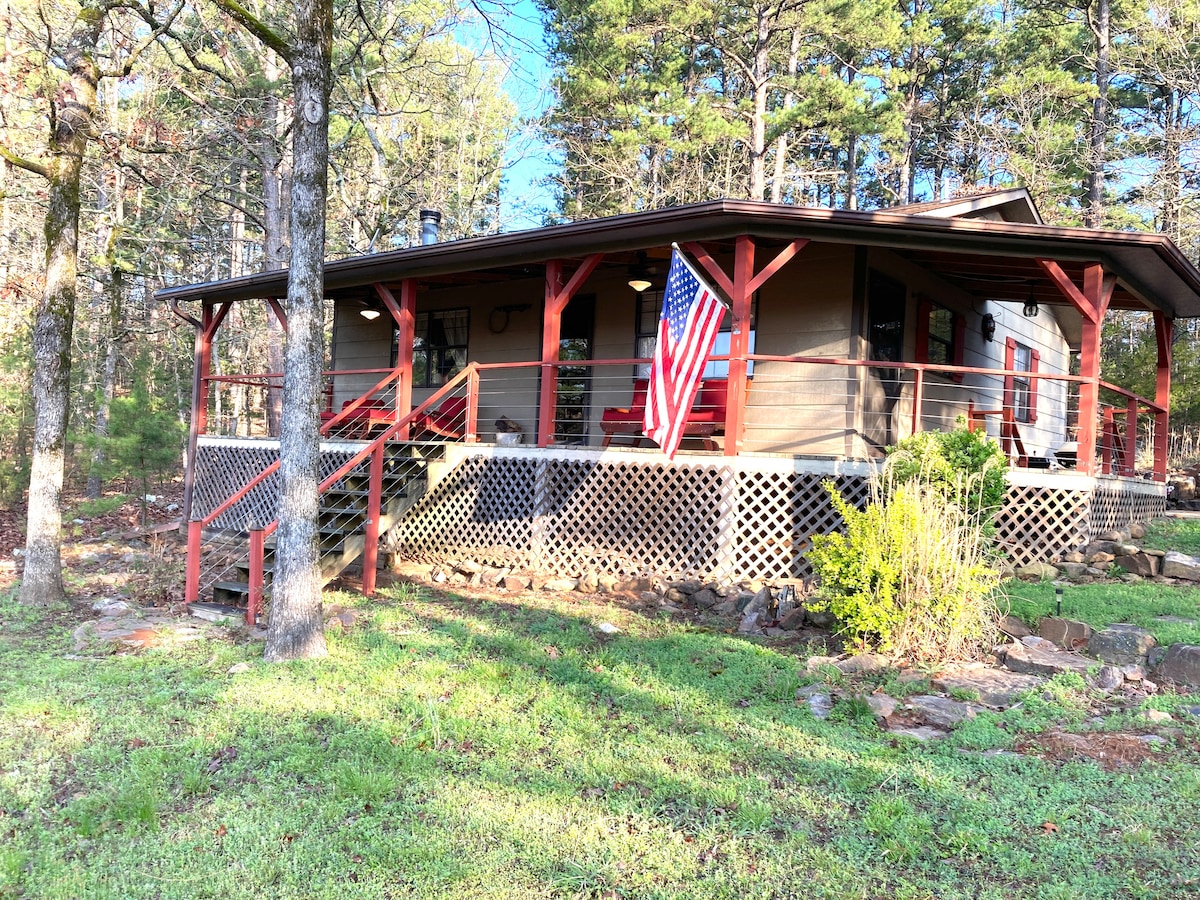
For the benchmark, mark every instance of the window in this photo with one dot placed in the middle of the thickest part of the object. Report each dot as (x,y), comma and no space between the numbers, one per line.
(439,346)
(940,336)
(649,311)
(1020,391)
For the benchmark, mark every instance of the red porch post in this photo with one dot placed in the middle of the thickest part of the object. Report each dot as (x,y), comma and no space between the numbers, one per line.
(210,321)
(370,554)
(405,314)
(557,297)
(739,343)
(1164,333)
(1092,303)
(741,292)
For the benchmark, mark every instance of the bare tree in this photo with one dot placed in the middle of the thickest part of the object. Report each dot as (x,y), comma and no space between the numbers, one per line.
(75,53)
(295,629)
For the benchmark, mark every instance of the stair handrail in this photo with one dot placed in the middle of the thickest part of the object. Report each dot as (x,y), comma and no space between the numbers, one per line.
(468,374)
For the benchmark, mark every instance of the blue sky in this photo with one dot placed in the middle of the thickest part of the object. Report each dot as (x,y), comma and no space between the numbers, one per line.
(523,198)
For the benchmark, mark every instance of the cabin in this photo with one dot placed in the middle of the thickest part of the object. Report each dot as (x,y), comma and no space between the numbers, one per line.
(483,395)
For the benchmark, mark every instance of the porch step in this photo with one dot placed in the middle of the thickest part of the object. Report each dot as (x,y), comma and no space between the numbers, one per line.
(341,530)
(217,612)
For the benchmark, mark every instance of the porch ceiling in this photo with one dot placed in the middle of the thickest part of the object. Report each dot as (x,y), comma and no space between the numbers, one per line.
(988,258)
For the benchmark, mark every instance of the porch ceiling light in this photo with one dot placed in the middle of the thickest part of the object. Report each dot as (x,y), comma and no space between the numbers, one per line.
(639,274)
(370,313)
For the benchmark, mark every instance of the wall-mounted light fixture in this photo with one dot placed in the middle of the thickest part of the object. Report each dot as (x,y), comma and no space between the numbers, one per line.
(987,327)
(1030,309)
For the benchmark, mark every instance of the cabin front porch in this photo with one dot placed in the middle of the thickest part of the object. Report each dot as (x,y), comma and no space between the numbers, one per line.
(574,506)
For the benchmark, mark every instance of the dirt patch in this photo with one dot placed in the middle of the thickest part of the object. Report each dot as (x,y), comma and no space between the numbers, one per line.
(1110,750)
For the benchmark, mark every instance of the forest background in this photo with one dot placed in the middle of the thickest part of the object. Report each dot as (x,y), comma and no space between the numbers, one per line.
(853,104)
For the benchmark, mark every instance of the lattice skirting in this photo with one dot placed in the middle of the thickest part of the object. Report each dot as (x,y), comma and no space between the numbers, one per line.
(223,467)
(698,520)
(624,518)
(1040,521)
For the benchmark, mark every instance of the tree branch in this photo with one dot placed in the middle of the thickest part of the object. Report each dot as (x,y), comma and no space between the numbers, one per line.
(257,27)
(29,165)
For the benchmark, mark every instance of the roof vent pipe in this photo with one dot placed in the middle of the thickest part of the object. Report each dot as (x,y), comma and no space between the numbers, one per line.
(430,219)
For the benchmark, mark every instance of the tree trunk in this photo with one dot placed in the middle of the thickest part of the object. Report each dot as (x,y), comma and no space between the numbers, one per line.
(110,331)
(274,234)
(760,78)
(42,583)
(108,382)
(781,142)
(1100,21)
(296,630)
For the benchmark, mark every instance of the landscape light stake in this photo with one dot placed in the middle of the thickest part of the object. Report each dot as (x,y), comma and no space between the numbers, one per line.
(1058,591)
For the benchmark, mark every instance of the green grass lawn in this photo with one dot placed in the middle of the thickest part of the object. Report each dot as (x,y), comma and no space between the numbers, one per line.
(460,748)
(1156,607)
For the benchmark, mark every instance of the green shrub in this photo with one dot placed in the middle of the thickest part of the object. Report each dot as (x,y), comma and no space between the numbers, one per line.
(910,575)
(966,466)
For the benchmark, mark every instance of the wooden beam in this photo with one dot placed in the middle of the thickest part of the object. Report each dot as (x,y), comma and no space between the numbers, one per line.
(558,296)
(781,259)
(1164,333)
(405,315)
(739,343)
(280,312)
(715,272)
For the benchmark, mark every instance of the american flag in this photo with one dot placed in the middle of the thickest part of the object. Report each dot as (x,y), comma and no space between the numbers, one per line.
(691,318)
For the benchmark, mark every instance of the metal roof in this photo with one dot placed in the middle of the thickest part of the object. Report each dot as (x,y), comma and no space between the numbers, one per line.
(1151,271)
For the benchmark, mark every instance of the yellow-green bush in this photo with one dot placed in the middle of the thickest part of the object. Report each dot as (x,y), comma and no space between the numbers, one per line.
(910,576)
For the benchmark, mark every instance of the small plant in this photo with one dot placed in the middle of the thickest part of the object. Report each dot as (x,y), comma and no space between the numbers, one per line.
(101,506)
(966,467)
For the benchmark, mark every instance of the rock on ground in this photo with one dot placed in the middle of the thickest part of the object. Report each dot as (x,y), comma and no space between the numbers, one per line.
(941,712)
(1121,644)
(1066,633)
(1033,661)
(1181,665)
(997,688)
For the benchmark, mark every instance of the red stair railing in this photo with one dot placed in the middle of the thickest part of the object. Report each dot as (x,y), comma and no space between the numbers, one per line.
(374,448)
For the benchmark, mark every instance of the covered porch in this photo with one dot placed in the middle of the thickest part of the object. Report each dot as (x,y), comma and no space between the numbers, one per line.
(846,332)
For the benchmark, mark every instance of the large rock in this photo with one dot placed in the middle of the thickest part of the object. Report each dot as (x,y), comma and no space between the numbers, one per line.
(1096,547)
(1066,633)
(1014,628)
(1038,571)
(1032,661)
(940,712)
(1072,569)
(1180,565)
(1138,564)
(705,599)
(1181,665)
(1121,644)
(996,688)
(863,662)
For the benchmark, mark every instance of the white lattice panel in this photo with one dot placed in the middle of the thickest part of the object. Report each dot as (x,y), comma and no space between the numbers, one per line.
(1113,508)
(779,512)
(631,518)
(483,509)
(625,518)
(1039,522)
(224,468)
